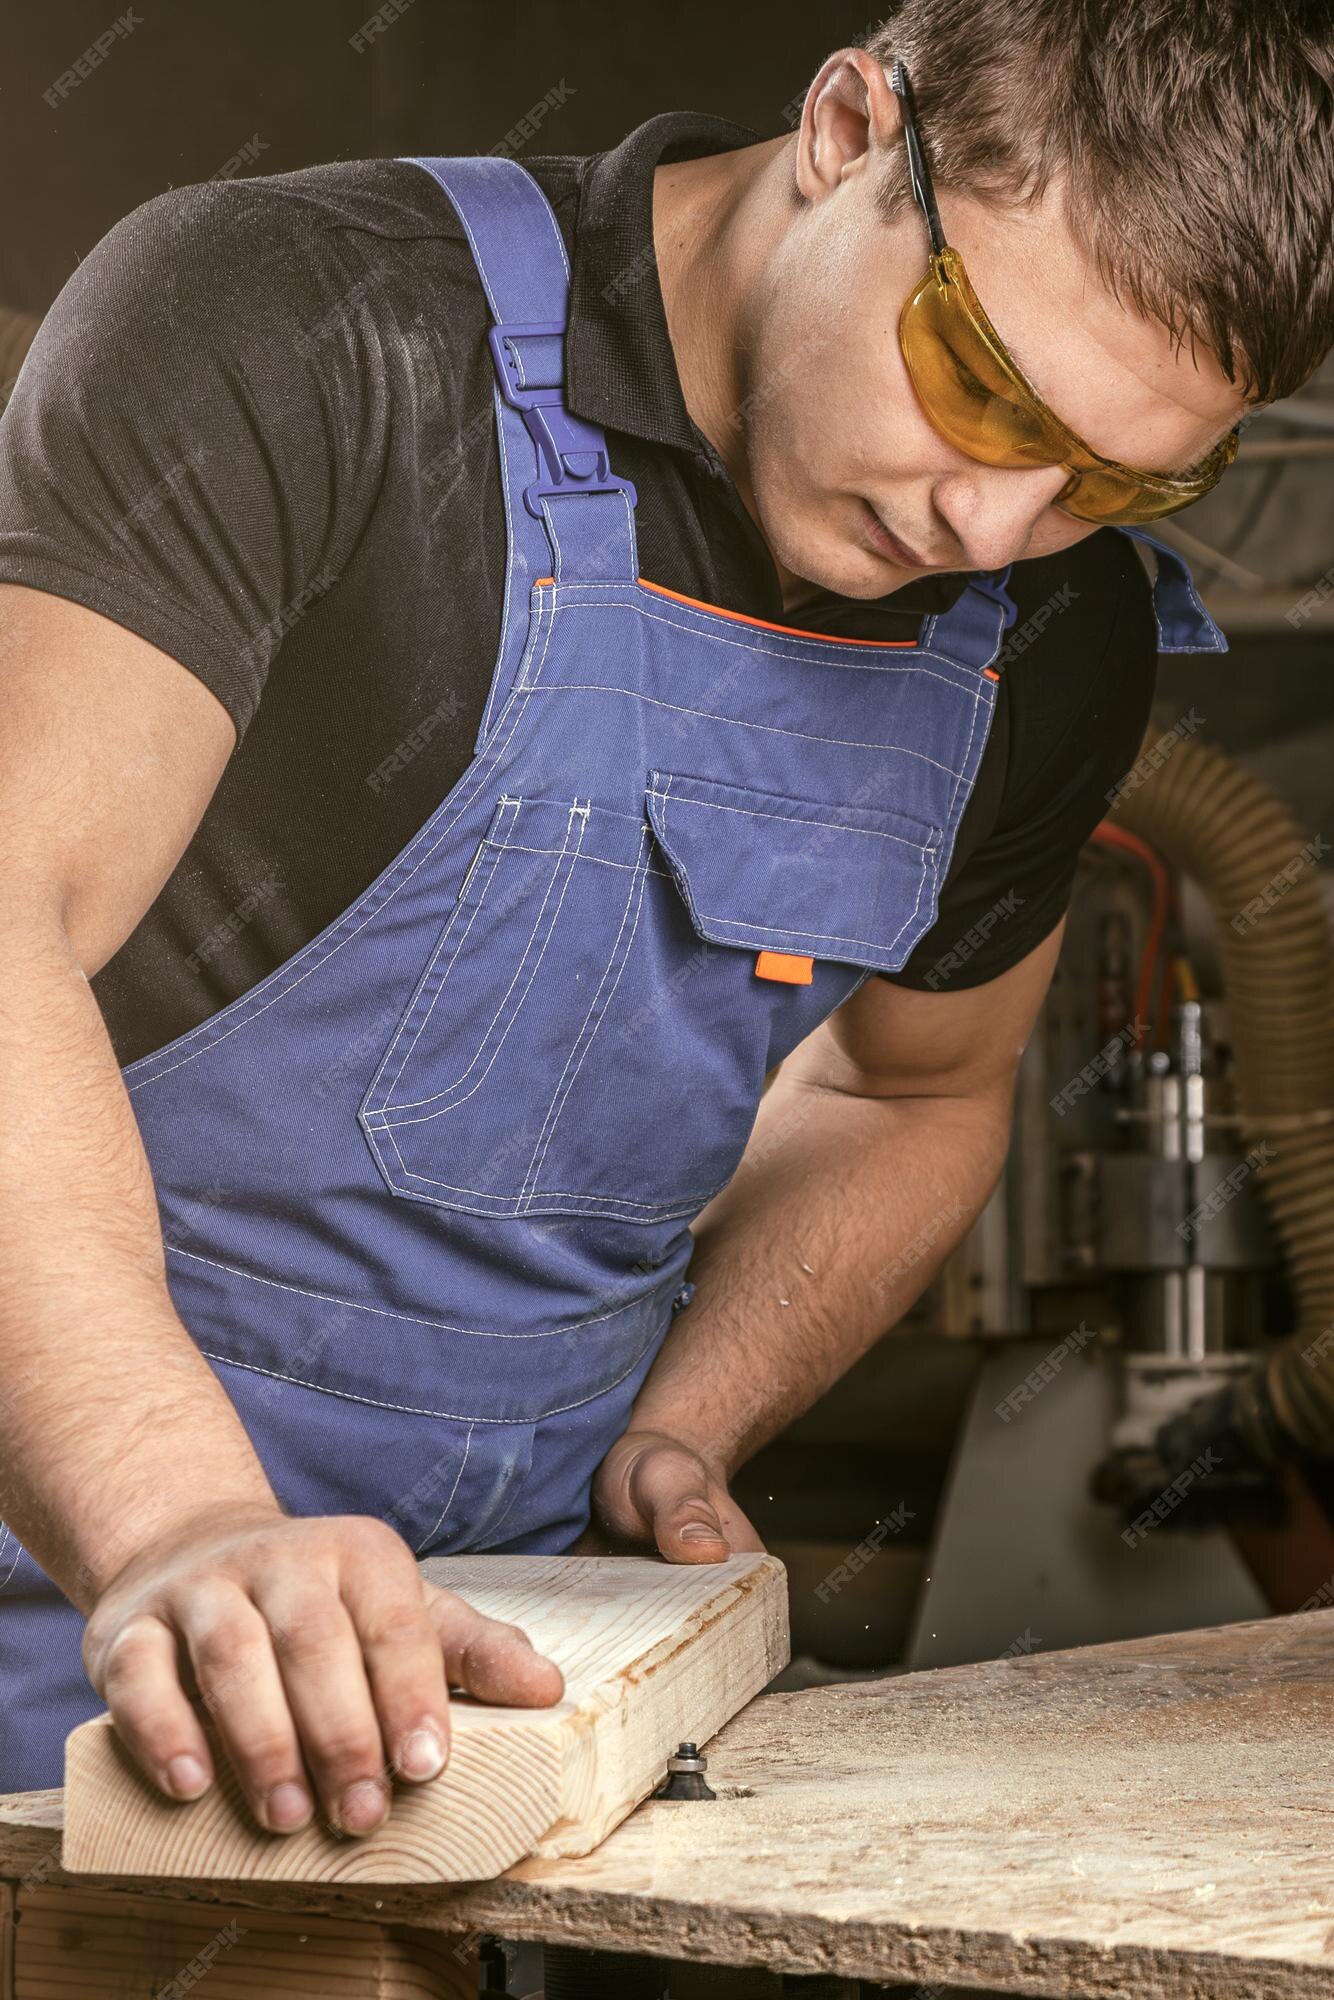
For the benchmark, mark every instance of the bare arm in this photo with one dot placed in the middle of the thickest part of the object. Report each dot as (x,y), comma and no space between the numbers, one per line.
(872,1155)
(123,1466)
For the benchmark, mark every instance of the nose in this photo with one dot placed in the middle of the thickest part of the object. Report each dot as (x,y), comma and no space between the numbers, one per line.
(993,509)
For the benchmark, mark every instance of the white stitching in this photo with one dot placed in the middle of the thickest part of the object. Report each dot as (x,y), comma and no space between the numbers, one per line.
(739,722)
(558,1102)
(416,1410)
(478,773)
(801,819)
(387,1312)
(433,1533)
(451,1090)
(423,977)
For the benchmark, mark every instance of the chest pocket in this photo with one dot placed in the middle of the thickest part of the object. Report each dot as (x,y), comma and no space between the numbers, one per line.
(589,1035)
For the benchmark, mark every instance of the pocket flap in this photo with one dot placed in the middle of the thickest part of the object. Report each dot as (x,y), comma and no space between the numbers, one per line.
(851,883)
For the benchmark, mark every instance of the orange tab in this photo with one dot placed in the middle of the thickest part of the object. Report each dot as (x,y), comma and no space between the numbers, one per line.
(782,965)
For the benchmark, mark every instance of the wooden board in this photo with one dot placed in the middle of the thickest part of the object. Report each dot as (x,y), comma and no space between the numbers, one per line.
(86,1944)
(1151,1819)
(651,1653)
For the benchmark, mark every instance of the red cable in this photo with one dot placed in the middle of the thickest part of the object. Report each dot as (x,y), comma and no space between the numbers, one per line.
(1109,835)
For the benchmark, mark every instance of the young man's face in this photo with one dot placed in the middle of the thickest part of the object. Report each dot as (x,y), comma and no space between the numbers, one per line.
(841,456)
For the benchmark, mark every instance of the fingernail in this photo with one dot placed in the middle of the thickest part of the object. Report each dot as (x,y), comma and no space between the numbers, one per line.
(287,1806)
(362,1807)
(422,1754)
(700,1531)
(187,1777)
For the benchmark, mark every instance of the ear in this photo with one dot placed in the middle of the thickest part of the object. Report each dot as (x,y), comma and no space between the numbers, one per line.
(850,117)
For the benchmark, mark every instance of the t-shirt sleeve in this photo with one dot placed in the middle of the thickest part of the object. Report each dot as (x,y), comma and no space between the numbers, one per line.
(181,449)
(1014,888)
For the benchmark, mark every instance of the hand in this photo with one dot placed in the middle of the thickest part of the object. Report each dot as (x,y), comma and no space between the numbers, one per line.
(321,1655)
(653,1488)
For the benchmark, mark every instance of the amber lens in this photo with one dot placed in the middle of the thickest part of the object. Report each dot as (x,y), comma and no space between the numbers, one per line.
(965,388)
(1116,501)
(979,401)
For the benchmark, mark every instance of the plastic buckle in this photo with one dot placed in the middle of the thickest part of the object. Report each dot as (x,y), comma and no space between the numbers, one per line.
(574,453)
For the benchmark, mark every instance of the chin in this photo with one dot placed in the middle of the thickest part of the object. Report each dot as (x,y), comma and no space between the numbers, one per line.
(818,541)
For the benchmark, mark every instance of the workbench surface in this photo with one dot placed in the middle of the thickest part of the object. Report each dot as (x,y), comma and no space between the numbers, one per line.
(1152,1818)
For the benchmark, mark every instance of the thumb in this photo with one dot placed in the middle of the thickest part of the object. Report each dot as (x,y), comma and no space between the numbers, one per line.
(670,1487)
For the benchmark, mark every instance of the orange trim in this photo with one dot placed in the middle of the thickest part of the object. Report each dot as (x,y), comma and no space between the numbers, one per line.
(765,624)
(786,967)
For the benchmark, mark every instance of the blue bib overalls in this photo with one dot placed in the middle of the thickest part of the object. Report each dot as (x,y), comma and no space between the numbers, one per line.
(426,1189)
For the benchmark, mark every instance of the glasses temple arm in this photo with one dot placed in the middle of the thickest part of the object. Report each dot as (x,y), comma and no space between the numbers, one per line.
(917,167)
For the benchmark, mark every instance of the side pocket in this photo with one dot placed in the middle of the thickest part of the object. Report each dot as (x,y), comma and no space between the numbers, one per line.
(457,1110)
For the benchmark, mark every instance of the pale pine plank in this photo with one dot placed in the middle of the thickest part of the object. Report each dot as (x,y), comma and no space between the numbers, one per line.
(651,1652)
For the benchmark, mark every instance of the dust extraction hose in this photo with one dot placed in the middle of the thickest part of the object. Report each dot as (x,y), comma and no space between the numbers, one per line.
(1225,828)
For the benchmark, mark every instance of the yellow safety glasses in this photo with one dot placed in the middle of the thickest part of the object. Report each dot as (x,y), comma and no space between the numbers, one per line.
(975,394)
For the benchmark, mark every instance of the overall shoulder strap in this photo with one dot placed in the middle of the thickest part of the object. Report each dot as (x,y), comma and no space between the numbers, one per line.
(1184,626)
(556,469)
(971,632)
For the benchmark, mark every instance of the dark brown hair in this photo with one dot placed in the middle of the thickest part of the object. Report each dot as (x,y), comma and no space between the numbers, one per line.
(1195,139)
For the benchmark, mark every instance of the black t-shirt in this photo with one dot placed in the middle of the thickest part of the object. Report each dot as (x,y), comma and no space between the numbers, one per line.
(255,428)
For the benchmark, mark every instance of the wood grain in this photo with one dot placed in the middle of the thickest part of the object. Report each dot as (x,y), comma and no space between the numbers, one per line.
(1152,1819)
(651,1653)
(89,1944)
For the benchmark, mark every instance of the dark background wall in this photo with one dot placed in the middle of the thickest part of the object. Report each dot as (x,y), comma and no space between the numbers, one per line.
(194,82)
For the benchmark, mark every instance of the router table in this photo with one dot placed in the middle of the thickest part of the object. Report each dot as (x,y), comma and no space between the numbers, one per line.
(1148,1820)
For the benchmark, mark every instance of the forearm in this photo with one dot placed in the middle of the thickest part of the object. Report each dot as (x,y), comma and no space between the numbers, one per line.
(112,1425)
(840,1214)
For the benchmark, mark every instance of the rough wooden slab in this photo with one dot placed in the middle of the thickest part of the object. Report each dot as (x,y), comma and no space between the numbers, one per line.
(651,1653)
(1151,1819)
(88,1944)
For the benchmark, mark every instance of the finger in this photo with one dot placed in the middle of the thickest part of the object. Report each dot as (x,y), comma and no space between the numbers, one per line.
(323,1677)
(138,1677)
(670,1488)
(231,1654)
(492,1661)
(404,1663)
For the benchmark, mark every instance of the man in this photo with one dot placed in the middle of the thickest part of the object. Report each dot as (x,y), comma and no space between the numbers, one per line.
(418,852)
